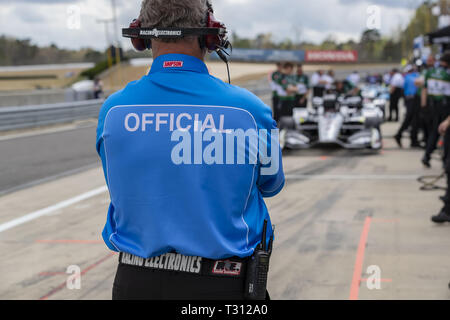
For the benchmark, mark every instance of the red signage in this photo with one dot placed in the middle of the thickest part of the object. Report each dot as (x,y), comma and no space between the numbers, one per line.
(331,56)
(173,64)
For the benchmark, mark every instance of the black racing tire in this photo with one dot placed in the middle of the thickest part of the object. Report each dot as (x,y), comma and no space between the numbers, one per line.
(287,123)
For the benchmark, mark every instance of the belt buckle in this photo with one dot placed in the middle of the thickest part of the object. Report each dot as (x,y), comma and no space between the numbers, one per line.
(227,267)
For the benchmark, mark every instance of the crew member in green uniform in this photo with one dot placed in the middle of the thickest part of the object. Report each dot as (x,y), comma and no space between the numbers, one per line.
(302,81)
(436,94)
(346,88)
(286,90)
(444,130)
(274,79)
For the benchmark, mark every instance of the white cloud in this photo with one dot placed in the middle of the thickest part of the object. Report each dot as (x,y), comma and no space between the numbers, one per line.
(45,21)
(318,19)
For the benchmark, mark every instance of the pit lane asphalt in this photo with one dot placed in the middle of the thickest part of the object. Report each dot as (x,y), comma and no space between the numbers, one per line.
(30,160)
(39,157)
(342,215)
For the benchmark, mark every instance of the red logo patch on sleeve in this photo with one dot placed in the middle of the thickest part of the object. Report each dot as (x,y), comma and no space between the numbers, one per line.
(173,64)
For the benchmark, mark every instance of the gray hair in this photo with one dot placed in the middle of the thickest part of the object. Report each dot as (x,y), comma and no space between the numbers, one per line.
(173,14)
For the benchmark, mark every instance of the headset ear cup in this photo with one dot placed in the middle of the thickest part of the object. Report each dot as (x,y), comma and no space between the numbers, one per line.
(214,42)
(210,41)
(138,44)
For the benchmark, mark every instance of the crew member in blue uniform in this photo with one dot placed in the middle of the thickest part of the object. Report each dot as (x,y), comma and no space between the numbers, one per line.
(188,160)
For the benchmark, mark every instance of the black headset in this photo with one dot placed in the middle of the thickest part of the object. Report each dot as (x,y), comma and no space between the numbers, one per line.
(212,37)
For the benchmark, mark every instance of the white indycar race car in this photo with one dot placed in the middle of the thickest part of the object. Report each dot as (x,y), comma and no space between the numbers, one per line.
(375,94)
(343,121)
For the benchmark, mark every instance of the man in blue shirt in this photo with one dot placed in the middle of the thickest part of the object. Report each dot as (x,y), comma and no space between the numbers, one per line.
(188,160)
(412,103)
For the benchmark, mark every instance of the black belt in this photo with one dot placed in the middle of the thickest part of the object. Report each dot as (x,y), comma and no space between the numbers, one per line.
(174,262)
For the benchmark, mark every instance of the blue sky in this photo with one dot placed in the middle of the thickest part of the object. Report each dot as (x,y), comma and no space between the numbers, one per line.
(46,21)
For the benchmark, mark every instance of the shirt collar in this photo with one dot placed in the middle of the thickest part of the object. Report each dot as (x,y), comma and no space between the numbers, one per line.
(178,62)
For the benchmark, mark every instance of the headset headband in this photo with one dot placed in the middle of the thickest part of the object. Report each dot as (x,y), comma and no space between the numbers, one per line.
(213,36)
(170,33)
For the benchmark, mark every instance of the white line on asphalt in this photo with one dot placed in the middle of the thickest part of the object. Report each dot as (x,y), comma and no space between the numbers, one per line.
(33,132)
(63,204)
(47,179)
(350,177)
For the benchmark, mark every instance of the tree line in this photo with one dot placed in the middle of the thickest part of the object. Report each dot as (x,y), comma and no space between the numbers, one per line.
(24,52)
(371,47)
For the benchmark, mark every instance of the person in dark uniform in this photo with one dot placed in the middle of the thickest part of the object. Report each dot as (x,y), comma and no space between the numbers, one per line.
(98,88)
(396,89)
(318,83)
(286,87)
(346,88)
(274,79)
(187,213)
(425,120)
(436,95)
(444,213)
(302,81)
(412,103)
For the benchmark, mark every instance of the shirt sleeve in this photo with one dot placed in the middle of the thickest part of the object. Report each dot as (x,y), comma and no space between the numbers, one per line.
(273,82)
(425,81)
(274,76)
(271,176)
(280,85)
(109,103)
(112,101)
(99,146)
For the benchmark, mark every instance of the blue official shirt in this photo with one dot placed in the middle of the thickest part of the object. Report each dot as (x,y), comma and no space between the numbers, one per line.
(410,88)
(184,172)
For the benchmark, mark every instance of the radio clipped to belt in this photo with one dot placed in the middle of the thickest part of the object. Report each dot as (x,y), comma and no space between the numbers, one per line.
(258,268)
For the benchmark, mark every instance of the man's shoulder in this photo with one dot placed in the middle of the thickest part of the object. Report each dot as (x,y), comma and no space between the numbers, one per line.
(122,96)
(238,97)
(242,95)
(276,75)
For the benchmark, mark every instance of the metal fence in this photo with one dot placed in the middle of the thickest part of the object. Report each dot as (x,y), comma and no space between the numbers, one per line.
(258,87)
(23,117)
(41,115)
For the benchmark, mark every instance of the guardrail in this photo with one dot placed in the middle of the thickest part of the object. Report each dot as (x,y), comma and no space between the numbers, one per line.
(23,117)
(40,115)
(258,88)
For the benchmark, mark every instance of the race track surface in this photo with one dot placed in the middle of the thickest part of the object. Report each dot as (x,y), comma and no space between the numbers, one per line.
(343,217)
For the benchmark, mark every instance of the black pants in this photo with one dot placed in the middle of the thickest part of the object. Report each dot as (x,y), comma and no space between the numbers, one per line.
(275,101)
(318,91)
(440,112)
(425,122)
(447,170)
(411,118)
(138,283)
(298,104)
(393,105)
(97,94)
(287,108)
